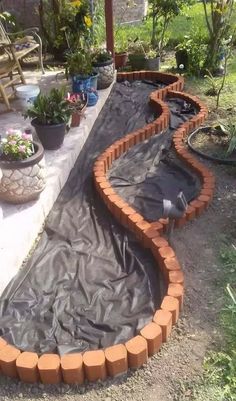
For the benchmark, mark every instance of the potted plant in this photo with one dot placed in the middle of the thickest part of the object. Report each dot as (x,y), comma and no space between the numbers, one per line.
(103,65)
(23,167)
(121,54)
(153,60)
(79,67)
(137,55)
(50,115)
(78,104)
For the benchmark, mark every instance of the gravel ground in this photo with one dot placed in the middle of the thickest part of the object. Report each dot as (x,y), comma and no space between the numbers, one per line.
(180,361)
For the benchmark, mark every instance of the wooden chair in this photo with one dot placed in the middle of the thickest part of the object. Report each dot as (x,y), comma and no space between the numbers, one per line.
(11,53)
(26,41)
(10,73)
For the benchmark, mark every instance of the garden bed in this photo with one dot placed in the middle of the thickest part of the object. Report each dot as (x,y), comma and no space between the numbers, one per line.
(212,143)
(66,244)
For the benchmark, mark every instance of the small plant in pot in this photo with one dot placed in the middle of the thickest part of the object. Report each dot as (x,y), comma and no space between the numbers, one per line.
(23,167)
(137,55)
(121,53)
(50,115)
(153,59)
(79,67)
(78,103)
(103,65)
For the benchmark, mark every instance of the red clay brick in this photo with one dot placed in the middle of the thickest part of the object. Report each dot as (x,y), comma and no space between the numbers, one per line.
(171,304)
(116,360)
(158,226)
(125,212)
(95,365)
(27,367)
(171,264)
(165,252)
(8,357)
(140,228)
(176,291)
(3,343)
(133,219)
(159,242)
(153,334)
(164,320)
(109,191)
(190,213)
(176,277)
(205,199)
(164,223)
(72,368)
(207,192)
(49,369)
(181,221)
(199,206)
(150,234)
(137,349)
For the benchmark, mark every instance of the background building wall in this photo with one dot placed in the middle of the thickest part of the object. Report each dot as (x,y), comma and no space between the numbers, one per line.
(26,11)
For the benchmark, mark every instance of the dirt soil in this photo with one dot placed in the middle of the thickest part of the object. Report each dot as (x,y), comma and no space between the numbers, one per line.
(213,143)
(180,361)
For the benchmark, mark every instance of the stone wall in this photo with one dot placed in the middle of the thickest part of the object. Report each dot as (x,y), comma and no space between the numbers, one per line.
(26,11)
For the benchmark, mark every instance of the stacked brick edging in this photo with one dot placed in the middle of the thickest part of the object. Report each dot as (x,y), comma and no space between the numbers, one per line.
(115,360)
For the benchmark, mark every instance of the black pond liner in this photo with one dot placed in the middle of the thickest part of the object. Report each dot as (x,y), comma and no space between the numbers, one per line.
(205,155)
(89,284)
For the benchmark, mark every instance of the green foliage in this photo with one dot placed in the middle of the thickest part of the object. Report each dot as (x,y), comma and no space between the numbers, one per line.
(195,45)
(65,24)
(137,47)
(99,27)
(79,63)
(50,109)
(220,367)
(219,26)
(7,18)
(101,56)
(229,128)
(161,13)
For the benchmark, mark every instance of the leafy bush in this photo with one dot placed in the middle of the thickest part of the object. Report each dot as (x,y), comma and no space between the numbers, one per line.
(79,63)
(50,109)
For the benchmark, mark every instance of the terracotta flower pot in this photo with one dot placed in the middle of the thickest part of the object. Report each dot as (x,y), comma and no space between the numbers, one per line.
(121,59)
(77,117)
(23,180)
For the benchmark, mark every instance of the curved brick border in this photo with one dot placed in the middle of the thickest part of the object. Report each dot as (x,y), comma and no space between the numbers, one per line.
(115,360)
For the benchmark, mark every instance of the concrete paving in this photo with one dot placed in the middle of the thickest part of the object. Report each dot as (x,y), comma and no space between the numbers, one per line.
(21,224)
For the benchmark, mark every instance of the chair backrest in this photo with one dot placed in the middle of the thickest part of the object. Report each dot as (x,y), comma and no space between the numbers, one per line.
(4,38)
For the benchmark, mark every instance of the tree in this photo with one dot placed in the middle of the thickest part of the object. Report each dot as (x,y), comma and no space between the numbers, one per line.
(162,12)
(218,22)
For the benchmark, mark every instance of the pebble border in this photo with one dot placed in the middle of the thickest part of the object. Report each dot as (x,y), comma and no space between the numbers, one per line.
(115,360)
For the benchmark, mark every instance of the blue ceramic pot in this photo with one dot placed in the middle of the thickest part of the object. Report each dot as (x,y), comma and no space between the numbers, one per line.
(80,84)
(92,98)
(94,81)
